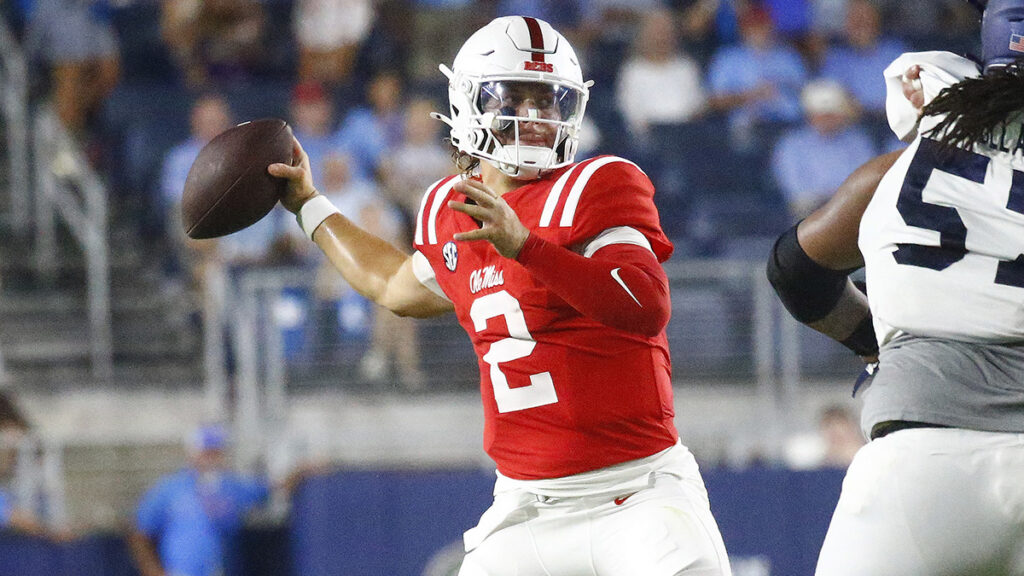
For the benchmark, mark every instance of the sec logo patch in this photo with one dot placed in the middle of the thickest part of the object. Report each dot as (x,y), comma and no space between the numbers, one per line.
(451,255)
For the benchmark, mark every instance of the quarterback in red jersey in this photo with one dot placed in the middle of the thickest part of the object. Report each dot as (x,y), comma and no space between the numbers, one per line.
(554,270)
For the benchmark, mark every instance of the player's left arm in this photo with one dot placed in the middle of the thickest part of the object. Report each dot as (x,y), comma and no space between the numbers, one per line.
(810,262)
(621,285)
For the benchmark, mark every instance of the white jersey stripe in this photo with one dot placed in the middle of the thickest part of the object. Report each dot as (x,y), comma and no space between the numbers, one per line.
(418,239)
(439,198)
(617,235)
(552,201)
(569,211)
(425,274)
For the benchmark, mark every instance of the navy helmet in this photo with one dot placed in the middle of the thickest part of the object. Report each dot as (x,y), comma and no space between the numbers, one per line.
(1002,31)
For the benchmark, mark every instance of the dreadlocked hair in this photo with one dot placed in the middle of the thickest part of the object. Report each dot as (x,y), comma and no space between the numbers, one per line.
(976,108)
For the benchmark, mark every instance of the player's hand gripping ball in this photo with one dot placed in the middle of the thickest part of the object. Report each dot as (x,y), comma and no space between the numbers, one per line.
(228,187)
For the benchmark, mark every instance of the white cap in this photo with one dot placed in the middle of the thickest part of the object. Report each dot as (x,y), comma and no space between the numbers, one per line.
(825,96)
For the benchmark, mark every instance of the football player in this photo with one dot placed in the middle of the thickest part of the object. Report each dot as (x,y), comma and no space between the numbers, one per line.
(939,229)
(553,267)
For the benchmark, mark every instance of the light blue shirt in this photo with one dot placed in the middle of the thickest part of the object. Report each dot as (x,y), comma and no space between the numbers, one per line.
(317,148)
(809,166)
(860,71)
(6,507)
(366,137)
(194,519)
(738,68)
(175,169)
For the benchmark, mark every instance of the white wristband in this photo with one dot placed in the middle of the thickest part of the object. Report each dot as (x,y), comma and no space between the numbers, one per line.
(314,212)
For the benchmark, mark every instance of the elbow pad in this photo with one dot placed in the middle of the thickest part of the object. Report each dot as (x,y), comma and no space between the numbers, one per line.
(808,290)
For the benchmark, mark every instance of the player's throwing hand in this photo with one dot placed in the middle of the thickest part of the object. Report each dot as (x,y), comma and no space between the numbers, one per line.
(501,226)
(299,176)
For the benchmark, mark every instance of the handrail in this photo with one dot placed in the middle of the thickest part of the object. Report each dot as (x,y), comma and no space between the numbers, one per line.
(14,103)
(69,189)
(260,384)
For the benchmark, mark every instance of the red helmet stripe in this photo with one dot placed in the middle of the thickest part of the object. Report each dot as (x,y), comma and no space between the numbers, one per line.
(536,38)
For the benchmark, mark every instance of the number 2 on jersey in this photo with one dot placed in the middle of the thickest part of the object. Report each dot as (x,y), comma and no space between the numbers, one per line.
(519,344)
(946,220)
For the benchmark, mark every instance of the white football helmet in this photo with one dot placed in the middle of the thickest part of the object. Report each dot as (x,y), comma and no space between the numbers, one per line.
(517,97)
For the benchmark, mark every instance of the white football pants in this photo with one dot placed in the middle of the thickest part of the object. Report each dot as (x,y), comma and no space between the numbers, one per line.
(665,529)
(930,502)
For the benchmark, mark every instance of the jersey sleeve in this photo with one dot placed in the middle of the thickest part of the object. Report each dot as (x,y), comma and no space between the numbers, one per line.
(614,193)
(430,205)
(939,70)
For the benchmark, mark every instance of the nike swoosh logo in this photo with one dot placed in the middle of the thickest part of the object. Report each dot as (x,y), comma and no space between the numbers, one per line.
(615,275)
(622,499)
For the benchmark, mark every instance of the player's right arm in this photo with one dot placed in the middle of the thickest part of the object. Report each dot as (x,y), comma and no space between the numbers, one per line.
(809,263)
(371,265)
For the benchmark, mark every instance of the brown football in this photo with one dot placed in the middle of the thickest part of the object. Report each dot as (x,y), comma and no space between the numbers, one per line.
(228,187)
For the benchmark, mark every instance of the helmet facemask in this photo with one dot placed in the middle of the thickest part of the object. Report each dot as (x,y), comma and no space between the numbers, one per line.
(528,126)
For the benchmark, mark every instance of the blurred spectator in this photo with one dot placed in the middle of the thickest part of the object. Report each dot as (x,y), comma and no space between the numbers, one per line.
(14,515)
(628,12)
(12,419)
(658,84)
(792,18)
(810,162)
(209,117)
(392,338)
(607,29)
(841,432)
(418,160)
(264,243)
(757,82)
(859,62)
(828,17)
(214,39)
(312,121)
(186,525)
(76,40)
(367,132)
(834,445)
(329,33)
(706,24)
(924,22)
(437,29)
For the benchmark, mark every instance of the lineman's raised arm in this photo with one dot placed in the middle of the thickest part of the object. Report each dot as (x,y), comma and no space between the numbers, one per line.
(372,266)
(809,263)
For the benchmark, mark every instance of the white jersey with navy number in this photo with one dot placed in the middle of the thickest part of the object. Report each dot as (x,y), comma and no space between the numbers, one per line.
(943,243)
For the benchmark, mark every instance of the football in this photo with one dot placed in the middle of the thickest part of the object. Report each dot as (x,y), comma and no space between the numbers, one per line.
(228,187)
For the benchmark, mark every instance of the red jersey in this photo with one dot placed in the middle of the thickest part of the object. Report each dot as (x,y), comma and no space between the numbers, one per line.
(562,393)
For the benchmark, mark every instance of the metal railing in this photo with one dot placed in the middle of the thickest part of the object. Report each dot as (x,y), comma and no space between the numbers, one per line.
(70,191)
(727,326)
(14,102)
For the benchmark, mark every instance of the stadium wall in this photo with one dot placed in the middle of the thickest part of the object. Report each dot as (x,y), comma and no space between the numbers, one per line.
(409,523)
